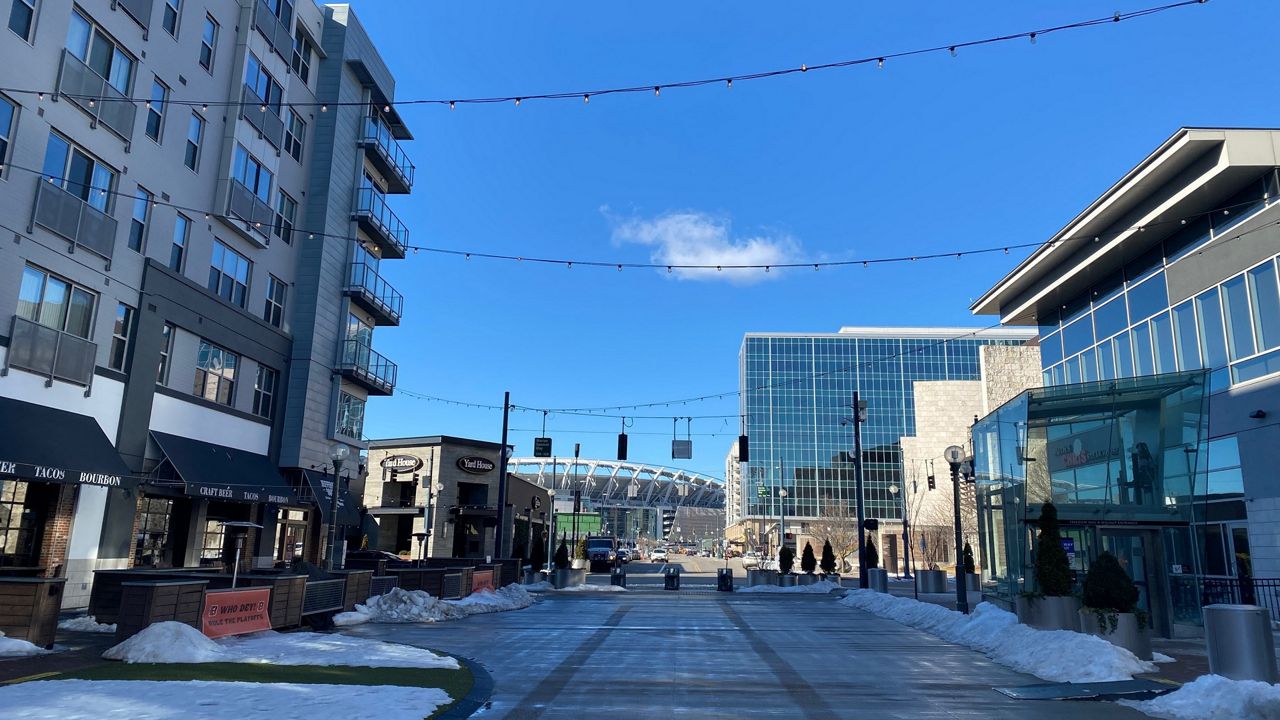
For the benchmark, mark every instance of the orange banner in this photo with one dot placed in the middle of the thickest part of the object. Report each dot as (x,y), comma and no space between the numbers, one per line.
(235,612)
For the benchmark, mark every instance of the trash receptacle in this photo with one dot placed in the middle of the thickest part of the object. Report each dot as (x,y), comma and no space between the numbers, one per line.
(618,577)
(671,578)
(1240,643)
(724,579)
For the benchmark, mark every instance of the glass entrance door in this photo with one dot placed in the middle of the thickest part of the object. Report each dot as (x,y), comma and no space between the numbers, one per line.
(1142,556)
(1129,547)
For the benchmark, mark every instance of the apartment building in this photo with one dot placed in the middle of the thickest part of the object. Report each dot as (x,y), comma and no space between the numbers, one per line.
(196,208)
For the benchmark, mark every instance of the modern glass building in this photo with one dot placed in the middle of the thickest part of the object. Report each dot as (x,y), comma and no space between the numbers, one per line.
(797,390)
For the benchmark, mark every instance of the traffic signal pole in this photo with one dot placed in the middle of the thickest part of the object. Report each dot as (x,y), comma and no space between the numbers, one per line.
(857,483)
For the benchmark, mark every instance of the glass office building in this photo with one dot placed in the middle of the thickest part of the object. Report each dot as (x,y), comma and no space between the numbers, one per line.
(796,395)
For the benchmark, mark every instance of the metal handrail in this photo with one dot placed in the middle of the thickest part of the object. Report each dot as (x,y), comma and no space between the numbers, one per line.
(372,204)
(376,132)
(364,277)
(368,363)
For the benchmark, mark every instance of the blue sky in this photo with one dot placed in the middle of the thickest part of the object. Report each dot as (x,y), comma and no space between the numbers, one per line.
(1002,144)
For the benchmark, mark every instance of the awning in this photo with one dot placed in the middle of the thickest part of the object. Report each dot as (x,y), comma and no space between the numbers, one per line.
(47,445)
(321,485)
(218,472)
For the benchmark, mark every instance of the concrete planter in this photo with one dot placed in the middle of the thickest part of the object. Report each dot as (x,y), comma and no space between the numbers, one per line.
(787,580)
(973,582)
(578,563)
(1048,613)
(1127,634)
(531,577)
(932,581)
(831,577)
(568,577)
(878,580)
(806,579)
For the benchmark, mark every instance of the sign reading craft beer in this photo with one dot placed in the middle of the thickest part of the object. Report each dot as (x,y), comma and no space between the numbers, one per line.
(235,612)
(476,465)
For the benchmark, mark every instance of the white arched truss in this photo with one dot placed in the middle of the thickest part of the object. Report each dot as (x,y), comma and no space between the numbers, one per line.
(615,483)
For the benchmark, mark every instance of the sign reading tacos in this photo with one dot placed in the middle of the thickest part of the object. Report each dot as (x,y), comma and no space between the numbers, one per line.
(476,465)
(401,463)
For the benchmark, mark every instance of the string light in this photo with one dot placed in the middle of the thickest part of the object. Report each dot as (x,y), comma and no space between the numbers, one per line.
(657,90)
(586,98)
(1033,38)
(729,83)
(879,63)
(517,102)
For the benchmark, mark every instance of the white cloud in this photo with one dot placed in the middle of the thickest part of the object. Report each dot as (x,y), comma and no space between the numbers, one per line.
(696,238)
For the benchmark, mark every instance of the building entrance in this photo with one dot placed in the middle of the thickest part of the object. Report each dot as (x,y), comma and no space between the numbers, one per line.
(1139,554)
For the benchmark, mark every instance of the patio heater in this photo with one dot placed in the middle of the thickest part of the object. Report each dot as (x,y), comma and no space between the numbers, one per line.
(239,528)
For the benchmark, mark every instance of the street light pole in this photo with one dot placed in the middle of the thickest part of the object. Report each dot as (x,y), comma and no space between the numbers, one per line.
(338,454)
(859,416)
(954,456)
(782,523)
(498,531)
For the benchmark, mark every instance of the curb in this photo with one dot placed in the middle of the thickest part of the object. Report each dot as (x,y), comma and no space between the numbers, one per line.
(477,698)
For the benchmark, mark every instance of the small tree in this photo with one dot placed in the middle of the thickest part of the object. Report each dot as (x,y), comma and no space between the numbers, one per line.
(580,549)
(562,556)
(786,559)
(538,556)
(808,563)
(828,563)
(1053,572)
(873,557)
(967,561)
(1108,591)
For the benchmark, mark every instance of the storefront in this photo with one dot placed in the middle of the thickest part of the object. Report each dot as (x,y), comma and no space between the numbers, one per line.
(1123,462)
(46,457)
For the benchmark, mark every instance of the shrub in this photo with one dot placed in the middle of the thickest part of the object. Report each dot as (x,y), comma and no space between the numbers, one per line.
(580,549)
(828,563)
(1108,587)
(562,556)
(1053,573)
(967,561)
(873,557)
(808,562)
(538,556)
(786,559)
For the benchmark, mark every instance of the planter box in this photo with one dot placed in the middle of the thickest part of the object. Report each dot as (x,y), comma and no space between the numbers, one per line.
(933,581)
(878,580)
(806,579)
(145,602)
(1127,633)
(29,608)
(578,564)
(1049,613)
(568,577)
(830,577)
(786,580)
(973,582)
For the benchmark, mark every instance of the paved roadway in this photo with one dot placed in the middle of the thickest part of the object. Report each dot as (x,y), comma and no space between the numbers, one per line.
(702,654)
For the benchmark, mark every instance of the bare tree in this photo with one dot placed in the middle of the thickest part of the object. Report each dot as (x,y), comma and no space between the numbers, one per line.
(837,524)
(933,525)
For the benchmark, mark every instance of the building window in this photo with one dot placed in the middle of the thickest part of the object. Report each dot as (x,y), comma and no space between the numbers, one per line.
(77,172)
(1264,298)
(274,310)
(166,348)
(172,10)
(302,56)
(155,109)
(208,41)
(216,373)
(95,48)
(138,223)
(282,9)
(120,335)
(252,174)
(264,392)
(195,135)
(229,274)
(153,531)
(22,15)
(178,251)
(257,79)
(350,416)
(56,303)
(7,112)
(214,539)
(286,214)
(20,529)
(295,134)
(1235,308)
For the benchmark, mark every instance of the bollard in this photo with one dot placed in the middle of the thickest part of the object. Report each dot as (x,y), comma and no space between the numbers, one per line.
(618,576)
(724,579)
(1240,643)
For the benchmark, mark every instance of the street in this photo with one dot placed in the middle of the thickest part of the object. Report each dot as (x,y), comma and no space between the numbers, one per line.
(697,653)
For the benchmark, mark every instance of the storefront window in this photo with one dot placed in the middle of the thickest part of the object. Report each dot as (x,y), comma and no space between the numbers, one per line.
(152,539)
(213,541)
(19,526)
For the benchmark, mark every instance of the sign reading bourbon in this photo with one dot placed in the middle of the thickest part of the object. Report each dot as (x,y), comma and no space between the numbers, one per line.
(401,463)
(235,612)
(476,465)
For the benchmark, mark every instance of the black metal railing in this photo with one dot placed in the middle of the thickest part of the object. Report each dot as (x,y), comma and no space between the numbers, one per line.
(376,134)
(369,285)
(371,208)
(52,353)
(66,214)
(383,584)
(366,364)
(92,93)
(323,596)
(1264,592)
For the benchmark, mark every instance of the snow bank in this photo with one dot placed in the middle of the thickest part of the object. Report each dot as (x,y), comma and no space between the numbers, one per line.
(821,587)
(85,623)
(1213,696)
(417,606)
(157,700)
(1057,655)
(174,642)
(592,588)
(540,586)
(12,647)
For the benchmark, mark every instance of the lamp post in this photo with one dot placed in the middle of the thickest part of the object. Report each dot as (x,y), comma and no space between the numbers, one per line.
(954,456)
(906,530)
(859,417)
(338,455)
(782,523)
(551,526)
(428,513)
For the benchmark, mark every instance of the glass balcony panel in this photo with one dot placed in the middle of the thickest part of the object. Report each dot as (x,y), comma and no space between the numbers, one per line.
(266,122)
(67,215)
(375,293)
(244,204)
(377,219)
(52,353)
(363,364)
(388,155)
(139,10)
(276,32)
(79,83)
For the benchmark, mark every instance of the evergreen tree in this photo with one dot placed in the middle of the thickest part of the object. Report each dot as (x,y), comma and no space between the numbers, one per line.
(562,555)
(967,559)
(808,562)
(580,550)
(1053,572)
(873,557)
(828,563)
(786,559)
(538,556)
(1108,587)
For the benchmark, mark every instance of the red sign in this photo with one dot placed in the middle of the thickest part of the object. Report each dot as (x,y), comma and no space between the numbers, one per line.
(235,612)
(481,580)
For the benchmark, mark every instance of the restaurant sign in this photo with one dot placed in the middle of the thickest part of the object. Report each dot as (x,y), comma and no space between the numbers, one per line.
(235,612)
(476,465)
(401,463)
(48,473)
(1091,447)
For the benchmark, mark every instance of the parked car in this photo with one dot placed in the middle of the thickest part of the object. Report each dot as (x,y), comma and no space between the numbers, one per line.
(659,555)
(624,555)
(368,559)
(750,560)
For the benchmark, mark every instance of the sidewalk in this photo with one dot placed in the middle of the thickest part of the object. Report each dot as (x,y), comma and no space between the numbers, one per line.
(72,651)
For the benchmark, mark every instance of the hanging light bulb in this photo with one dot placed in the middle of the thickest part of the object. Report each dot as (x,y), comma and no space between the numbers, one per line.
(864,263)
(586,98)
(1033,38)
(619,267)
(324,108)
(206,216)
(657,90)
(953,51)
(39,96)
(386,108)
(729,83)
(262,108)
(1183,221)
(147,104)
(91,102)
(804,68)
(568,266)
(453,105)
(204,107)
(517,102)
(766,268)
(880,64)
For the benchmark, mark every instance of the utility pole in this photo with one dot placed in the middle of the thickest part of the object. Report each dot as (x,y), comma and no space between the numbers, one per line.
(859,415)
(954,456)
(502,479)
(577,494)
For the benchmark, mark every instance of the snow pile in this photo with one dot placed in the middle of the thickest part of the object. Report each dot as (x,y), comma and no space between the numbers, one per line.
(821,587)
(174,642)
(12,647)
(159,700)
(400,606)
(511,597)
(1057,655)
(540,586)
(167,642)
(592,588)
(86,623)
(1213,696)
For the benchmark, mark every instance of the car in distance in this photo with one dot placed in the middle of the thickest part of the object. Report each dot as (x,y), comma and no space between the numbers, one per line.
(658,555)
(750,560)
(624,555)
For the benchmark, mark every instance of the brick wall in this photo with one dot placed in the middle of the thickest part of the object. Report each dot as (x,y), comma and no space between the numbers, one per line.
(57,530)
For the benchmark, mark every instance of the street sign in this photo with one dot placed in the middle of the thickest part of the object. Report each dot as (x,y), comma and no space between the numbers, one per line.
(681,449)
(542,447)
(1069,545)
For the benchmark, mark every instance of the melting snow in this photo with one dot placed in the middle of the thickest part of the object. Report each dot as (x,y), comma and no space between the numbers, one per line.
(1213,696)
(85,623)
(417,606)
(13,647)
(820,587)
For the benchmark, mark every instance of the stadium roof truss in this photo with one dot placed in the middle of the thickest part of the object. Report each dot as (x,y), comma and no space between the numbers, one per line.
(617,483)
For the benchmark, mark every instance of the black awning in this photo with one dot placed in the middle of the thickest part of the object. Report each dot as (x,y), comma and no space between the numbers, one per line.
(48,445)
(321,485)
(218,472)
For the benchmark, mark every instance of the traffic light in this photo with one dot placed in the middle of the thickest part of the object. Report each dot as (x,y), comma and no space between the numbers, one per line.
(622,446)
(744,449)
(871,524)
(933,484)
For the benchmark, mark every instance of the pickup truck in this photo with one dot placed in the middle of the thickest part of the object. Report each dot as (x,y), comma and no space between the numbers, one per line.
(602,553)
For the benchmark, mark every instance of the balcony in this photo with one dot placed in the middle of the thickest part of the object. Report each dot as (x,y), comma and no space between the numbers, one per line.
(139,10)
(361,364)
(278,34)
(94,95)
(374,217)
(266,122)
(387,156)
(367,289)
(52,353)
(65,214)
(256,213)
